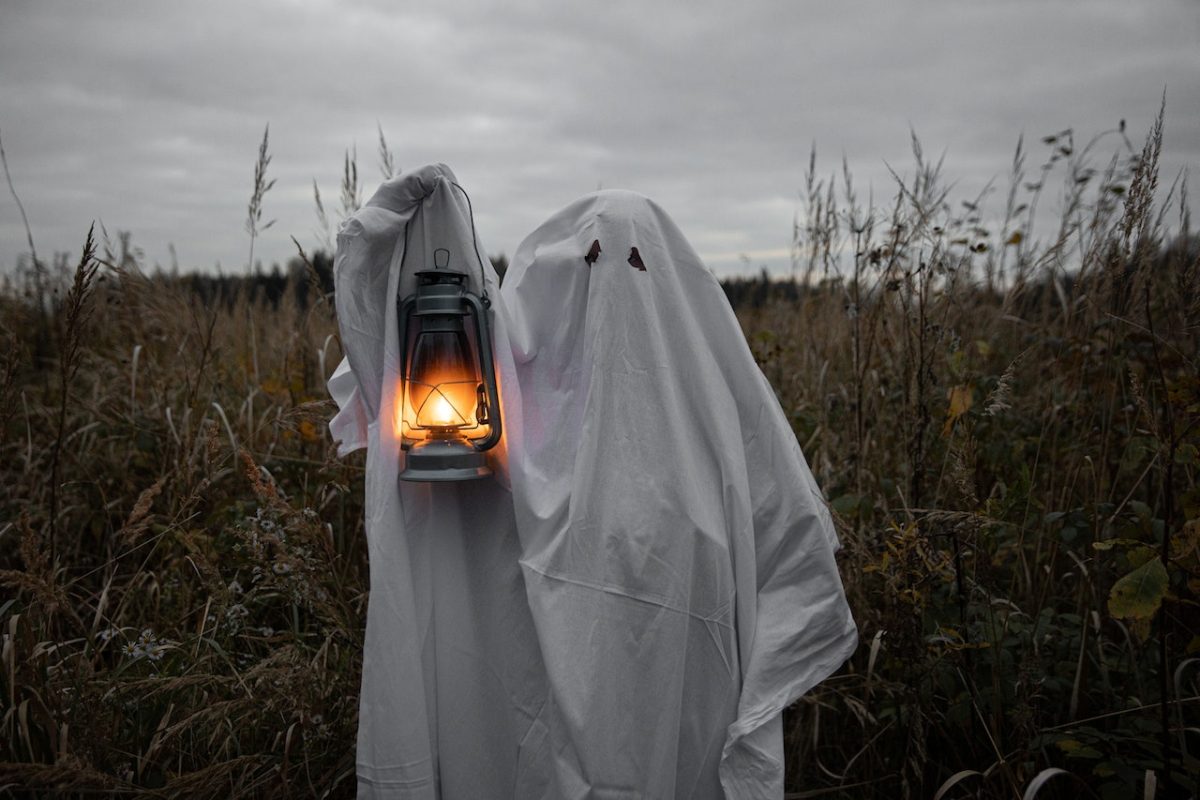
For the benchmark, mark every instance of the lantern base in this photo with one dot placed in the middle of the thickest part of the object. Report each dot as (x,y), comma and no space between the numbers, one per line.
(438,460)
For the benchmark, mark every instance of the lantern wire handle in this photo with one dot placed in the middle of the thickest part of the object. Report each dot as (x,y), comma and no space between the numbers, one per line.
(475,242)
(474,239)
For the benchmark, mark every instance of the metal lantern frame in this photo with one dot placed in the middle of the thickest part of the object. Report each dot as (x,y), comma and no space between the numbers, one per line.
(443,303)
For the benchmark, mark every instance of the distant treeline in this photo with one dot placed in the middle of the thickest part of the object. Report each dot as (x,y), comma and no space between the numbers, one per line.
(755,292)
(304,277)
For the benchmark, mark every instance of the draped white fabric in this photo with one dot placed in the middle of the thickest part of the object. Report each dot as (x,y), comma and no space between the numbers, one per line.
(452,671)
(627,607)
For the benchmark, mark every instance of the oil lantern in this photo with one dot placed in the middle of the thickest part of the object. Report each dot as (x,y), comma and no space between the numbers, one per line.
(449,412)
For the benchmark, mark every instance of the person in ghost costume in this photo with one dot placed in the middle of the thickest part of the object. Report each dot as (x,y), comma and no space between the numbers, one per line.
(452,672)
(625,608)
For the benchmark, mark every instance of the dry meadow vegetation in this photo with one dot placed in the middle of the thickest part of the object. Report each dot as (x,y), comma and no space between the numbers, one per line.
(1004,419)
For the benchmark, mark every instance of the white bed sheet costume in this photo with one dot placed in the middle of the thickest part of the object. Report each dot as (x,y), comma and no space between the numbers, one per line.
(624,609)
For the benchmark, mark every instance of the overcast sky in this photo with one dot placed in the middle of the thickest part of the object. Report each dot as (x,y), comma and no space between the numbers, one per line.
(147,115)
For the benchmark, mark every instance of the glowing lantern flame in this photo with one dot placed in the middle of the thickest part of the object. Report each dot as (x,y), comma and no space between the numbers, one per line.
(442,411)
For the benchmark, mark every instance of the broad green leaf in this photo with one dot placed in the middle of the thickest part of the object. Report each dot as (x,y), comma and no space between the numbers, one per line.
(1185,545)
(1139,594)
(1140,555)
(1076,749)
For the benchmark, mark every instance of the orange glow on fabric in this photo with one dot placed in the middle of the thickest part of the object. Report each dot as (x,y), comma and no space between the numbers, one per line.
(402,415)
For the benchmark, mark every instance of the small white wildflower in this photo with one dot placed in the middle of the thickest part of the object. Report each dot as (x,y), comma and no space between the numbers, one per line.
(107,634)
(235,587)
(155,652)
(281,567)
(256,574)
(236,611)
(267,630)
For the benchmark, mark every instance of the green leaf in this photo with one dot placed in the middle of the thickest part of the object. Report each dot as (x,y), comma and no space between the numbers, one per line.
(1140,555)
(1109,544)
(1139,594)
(1076,749)
(846,505)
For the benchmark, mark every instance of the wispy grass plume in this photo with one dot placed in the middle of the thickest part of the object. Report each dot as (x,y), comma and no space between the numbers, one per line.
(387,163)
(351,192)
(254,210)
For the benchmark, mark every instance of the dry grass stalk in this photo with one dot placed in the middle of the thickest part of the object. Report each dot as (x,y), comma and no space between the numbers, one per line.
(387,161)
(254,209)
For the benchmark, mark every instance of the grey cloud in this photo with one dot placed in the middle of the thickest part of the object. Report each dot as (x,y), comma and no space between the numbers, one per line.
(149,114)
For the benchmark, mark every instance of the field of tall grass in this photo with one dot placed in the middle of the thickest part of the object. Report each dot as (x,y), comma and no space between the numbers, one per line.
(1003,417)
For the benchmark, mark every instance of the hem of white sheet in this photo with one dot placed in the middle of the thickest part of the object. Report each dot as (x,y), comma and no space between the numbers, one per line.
(758,784)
